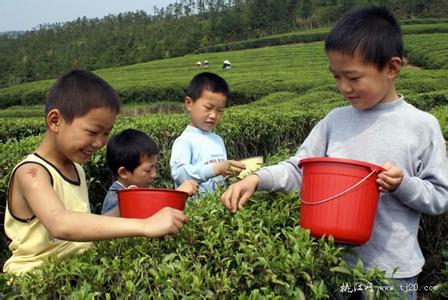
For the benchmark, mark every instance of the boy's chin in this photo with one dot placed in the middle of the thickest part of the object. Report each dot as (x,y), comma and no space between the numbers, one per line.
(207,127)
(81,159)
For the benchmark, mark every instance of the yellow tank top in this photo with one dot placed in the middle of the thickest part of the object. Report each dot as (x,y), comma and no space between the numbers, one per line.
(31,243)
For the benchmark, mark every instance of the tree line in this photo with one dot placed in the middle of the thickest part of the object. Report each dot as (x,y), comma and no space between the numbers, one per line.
(178,29)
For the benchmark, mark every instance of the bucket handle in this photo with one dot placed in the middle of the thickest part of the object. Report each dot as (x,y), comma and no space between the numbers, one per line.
(341,193)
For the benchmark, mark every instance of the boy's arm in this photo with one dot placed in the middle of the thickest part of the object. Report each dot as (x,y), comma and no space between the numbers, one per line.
(34,185)
(114,212)
(286,176)
(181,167)
(428,191)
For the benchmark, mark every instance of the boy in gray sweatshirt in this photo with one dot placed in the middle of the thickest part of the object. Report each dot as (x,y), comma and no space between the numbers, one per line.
(365,51)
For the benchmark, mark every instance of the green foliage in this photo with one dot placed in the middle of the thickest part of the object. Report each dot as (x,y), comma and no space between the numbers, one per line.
(442,287)
(257,252)
(441,113)
(293,68)
(311,35)
(18,128)
(255,73)
(427,50)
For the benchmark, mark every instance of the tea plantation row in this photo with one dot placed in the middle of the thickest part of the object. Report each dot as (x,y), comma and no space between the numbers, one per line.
(313,35)
(255,73)
(424,88)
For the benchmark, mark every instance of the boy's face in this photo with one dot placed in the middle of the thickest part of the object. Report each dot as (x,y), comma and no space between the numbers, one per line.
(145,172)
(207,111)
(363,85)
(80,139)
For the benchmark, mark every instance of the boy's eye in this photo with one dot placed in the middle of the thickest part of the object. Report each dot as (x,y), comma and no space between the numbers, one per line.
(91,132)
(354,78)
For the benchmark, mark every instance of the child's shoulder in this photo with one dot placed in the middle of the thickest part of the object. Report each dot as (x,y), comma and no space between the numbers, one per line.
(419,116)
(339,112)
(29,169)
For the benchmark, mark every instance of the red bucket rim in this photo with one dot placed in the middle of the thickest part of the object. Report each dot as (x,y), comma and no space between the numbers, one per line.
(372,167)
(152,190)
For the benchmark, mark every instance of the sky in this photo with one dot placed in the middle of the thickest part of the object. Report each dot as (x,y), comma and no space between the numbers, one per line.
(18,15)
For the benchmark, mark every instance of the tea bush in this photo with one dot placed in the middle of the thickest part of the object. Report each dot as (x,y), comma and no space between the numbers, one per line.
(423,88)
(257,252)
(427,50)
(318,34)
(19,128)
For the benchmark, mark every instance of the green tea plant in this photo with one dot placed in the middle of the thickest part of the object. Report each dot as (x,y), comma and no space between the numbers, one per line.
(256,253)
(441,290)
(427,50)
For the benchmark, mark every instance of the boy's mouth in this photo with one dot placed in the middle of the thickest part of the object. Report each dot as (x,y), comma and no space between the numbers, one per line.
(88,152)
(351,99)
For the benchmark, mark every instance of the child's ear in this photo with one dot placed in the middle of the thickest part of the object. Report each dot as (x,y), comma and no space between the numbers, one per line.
(54,119)
(394,67)
(188,102)
(122,172)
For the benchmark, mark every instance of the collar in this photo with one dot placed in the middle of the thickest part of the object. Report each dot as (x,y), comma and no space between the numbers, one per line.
(196,130)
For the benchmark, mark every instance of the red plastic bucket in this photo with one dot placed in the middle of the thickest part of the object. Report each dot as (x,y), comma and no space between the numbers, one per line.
(144,202)
(339,198)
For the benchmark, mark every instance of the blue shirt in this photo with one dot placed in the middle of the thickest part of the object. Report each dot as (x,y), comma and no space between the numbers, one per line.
(111,199)
(192,157)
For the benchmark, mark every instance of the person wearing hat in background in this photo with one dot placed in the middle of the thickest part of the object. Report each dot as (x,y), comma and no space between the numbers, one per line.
(226,65)
(198,64)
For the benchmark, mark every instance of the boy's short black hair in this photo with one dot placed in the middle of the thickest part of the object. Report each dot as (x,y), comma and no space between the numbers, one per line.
(74,94)
(372,33)
(127,148)
(207,81)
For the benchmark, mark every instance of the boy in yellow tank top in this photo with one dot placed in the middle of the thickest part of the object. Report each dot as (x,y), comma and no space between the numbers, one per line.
(47,210)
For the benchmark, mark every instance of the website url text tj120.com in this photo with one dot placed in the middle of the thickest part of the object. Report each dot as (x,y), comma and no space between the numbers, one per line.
(369,287)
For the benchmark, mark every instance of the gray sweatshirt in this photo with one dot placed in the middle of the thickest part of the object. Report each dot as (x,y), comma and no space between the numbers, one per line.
(396,132)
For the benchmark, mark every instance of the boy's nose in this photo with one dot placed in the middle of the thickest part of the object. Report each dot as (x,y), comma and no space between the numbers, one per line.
(345,87)
(212,115)
(99,142)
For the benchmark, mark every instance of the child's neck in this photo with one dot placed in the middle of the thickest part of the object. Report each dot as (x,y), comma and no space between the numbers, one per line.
(48,151)
(196,127)
(391,96)
(120,182)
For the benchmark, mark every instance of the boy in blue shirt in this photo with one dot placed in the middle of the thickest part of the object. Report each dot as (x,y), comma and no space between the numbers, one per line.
(198,153)
(132,157)
(365,51)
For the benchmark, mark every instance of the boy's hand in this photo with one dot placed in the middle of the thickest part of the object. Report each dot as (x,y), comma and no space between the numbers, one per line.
(228,168)
(238,193)
(188,186)
(166,221)
(390,179)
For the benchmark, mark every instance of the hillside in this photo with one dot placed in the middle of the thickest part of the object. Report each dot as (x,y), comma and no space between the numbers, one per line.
(140,36)
(295,67)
